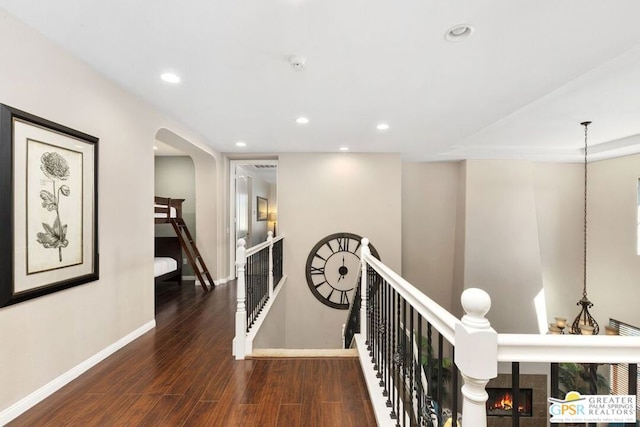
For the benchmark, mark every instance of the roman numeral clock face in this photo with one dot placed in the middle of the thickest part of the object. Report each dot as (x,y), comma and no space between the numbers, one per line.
(333,268)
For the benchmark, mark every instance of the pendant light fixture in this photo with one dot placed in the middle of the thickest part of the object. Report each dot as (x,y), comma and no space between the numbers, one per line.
(584,323)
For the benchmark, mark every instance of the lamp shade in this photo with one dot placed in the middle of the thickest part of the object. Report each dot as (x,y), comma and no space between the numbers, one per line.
(273,216)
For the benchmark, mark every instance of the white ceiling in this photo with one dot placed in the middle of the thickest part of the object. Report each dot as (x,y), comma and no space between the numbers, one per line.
(517,88)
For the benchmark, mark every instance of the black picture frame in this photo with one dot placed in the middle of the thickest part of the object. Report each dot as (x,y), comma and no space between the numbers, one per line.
(48,207)
(262,208)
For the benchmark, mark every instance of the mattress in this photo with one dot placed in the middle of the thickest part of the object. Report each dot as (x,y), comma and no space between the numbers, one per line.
(164,265)
(172,212)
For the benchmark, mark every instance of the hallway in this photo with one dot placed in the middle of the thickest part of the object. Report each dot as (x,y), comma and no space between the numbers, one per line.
(183,373)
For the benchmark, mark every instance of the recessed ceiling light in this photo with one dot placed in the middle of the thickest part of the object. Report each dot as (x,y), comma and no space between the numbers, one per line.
(155,148)
(458,33)
(344,148)
(302,120)
(382,126)
(170,78)
(241,144)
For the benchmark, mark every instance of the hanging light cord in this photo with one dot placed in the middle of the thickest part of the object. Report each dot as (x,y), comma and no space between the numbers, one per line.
(584,264)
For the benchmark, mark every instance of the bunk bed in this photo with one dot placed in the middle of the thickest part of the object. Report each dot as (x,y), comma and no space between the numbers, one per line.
(168,260)
(169,211)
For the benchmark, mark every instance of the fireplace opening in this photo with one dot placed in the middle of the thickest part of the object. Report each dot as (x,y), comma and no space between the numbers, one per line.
(500,402)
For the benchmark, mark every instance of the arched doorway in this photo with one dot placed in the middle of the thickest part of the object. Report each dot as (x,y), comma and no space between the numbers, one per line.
(207,204)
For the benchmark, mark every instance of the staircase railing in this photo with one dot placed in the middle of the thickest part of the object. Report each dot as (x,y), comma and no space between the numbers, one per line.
(411,350)
(259,270)
(352,327)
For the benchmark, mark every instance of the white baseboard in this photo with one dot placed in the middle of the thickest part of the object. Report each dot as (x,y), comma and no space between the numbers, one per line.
(302,352)
(15,410)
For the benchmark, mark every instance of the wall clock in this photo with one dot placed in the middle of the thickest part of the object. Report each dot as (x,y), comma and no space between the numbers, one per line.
(333,267)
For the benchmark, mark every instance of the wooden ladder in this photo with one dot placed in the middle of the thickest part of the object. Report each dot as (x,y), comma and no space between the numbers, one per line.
(192,252)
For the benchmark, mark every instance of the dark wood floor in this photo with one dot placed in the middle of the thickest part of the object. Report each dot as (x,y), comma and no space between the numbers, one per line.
(182,373)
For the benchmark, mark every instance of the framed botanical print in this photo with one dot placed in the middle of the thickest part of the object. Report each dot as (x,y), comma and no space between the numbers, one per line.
(48,207)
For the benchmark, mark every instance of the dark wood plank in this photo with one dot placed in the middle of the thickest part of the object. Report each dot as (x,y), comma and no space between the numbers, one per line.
(271,393)
(289,415)
(311,401)
(256,384)
(233,392)
(330,390)
(333,414)
(243,415)
(354,394)
(160,410)
(294,372)
(202,414)
(182,373)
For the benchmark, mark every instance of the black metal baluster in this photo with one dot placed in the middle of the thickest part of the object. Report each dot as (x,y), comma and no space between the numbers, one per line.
(381,324)
(398,358)
(632,388)
(454,385)
(430,388)
(388,341)
(411,358)
(515,394)
(262,280)
(277,262)
(440,384)
(420,385)
(384,335)
(265,277)
(248,275)
(392,366)
(555,381)
(374,347)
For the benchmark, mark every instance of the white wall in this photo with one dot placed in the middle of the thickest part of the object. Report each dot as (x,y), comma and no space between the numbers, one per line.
(322,194)
(429,203)
(613,266)
(45,337)
(502,251)
(271,333)
(509,224)
(559,192)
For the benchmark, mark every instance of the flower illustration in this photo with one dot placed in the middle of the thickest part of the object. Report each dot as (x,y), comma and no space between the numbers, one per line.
(56,168)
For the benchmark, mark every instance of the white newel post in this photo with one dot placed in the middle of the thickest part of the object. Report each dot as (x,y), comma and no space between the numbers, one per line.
(241,311)
(270,240)
(476,355)
(364,253)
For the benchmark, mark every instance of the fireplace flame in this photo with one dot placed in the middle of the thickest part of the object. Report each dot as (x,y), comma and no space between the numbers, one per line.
(506,403)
